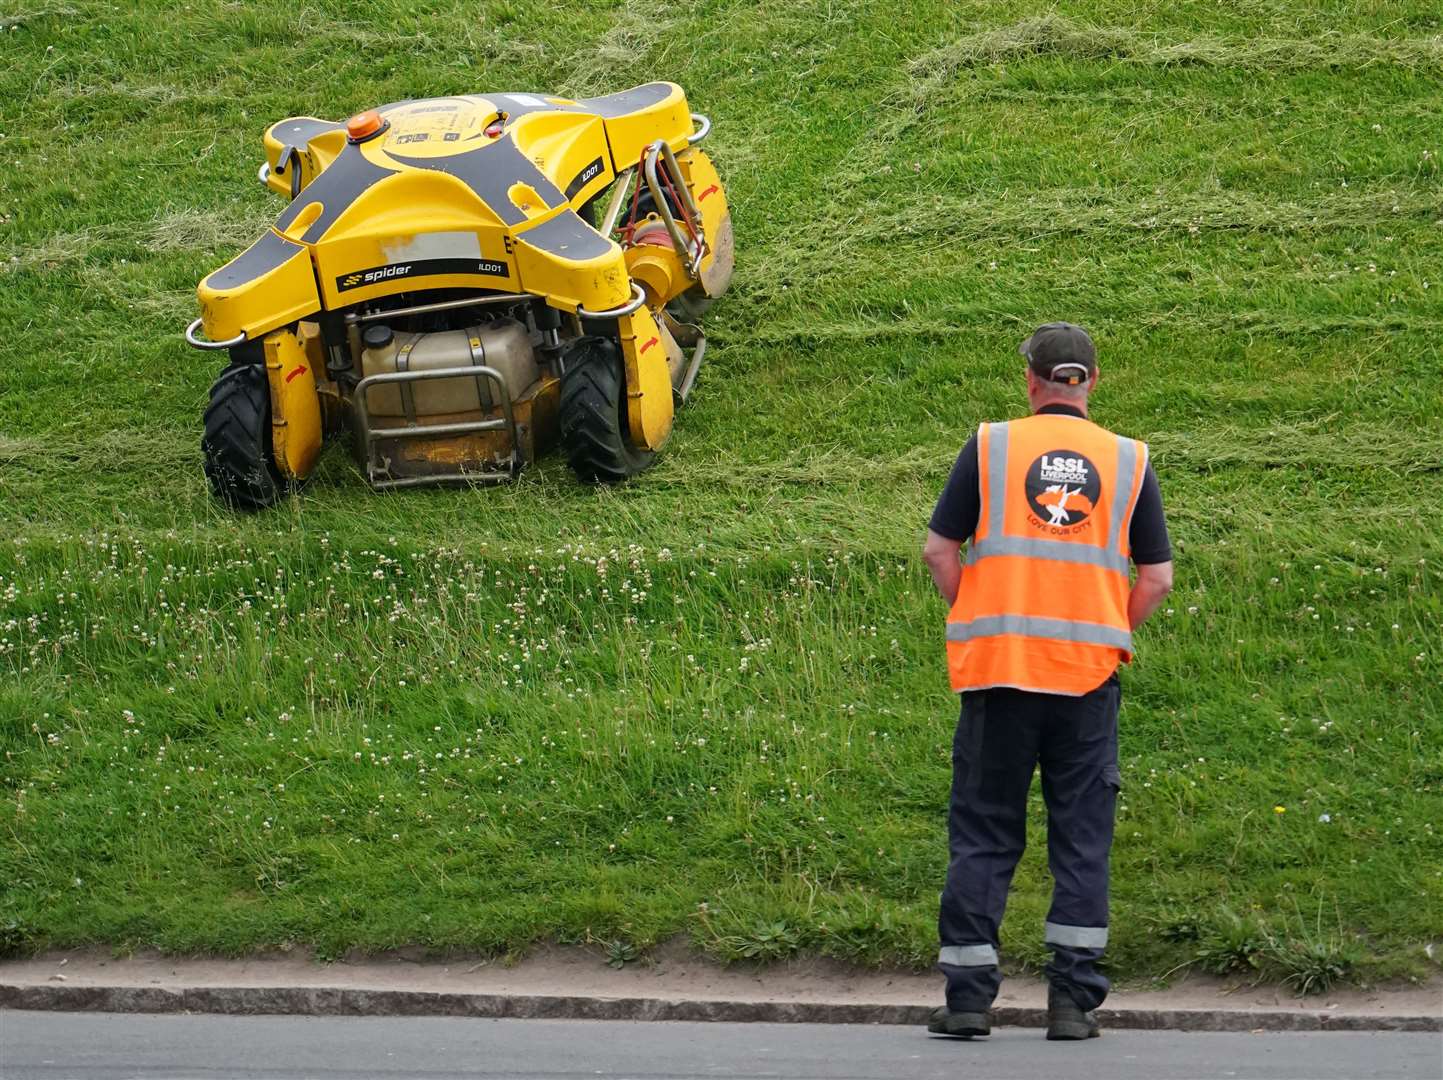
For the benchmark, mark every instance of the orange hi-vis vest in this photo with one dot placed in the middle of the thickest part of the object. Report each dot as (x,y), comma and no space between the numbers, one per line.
(1043,600)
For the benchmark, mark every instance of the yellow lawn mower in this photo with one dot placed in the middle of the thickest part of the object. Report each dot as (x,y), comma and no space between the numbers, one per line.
(461,282)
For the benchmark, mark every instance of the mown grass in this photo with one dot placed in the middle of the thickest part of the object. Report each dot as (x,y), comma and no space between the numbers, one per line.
(712,702)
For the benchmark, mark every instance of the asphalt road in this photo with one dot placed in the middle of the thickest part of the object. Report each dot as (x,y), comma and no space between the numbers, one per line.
(93,1045)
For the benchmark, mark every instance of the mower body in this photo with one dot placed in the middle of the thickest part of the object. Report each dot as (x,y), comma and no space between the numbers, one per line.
(446,270)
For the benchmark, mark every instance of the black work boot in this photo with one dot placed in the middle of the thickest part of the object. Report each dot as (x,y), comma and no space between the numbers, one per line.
(1065,1021)
(960,1025)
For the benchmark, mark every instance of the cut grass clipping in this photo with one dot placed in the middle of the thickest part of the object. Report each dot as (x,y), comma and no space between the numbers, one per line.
(712,702)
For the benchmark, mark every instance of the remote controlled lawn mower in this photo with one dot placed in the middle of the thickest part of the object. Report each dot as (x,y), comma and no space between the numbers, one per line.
(461,282)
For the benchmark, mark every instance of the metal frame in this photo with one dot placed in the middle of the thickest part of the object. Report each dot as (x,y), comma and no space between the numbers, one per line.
(688,380)
(199,343)
(440,305)
(354,319)
(618,197)
(695,248)
(370,436)
(623,179)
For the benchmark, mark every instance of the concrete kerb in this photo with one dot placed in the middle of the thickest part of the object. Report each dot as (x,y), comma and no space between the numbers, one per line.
(351,1001)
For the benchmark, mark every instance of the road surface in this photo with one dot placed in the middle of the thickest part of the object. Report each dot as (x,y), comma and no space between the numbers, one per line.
(90,1046)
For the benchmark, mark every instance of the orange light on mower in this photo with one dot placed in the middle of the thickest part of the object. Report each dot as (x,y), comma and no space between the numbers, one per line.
(494,129)
(364,125)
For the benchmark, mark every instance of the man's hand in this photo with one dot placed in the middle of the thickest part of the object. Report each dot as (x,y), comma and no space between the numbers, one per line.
(941,556)
(1154,582)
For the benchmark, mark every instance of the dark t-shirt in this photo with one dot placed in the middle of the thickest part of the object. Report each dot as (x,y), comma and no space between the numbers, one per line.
(957,509)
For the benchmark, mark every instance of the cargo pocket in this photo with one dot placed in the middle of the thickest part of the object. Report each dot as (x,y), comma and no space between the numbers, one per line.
(1112,776)
(1111,772)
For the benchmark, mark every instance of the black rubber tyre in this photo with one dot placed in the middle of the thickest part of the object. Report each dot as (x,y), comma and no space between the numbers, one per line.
(237,442)
(645,204)
(594,433)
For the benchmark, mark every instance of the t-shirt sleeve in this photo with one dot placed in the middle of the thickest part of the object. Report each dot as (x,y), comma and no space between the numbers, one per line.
(956,514)
(1148,536)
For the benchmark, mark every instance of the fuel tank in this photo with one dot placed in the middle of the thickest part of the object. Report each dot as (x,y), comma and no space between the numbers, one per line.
(502,344)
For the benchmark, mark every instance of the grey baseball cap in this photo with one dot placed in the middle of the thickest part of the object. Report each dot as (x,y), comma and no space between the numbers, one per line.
(1060,352)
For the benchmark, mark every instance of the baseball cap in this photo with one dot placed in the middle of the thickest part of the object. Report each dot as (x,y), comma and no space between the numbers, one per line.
(1060,352)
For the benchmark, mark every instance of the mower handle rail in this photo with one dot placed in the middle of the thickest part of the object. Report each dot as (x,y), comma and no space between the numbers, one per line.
(200,343)
(631,307)
(704,123)
(659,154)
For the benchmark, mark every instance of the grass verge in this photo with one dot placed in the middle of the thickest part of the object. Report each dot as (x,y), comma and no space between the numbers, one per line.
(713,701)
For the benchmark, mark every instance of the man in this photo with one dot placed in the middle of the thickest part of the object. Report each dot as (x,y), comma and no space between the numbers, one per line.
(1041,615)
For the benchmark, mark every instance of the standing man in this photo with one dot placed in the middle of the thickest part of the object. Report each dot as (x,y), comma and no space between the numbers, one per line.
(1042,613)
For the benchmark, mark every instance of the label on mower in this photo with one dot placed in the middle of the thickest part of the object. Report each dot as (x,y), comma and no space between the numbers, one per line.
(436,128)
(359,279)
(584,177)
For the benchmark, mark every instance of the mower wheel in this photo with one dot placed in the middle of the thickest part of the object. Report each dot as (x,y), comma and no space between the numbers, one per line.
(237,440)
(646,204)
(594,431)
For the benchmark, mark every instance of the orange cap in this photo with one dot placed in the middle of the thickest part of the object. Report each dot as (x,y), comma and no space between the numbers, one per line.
(364,124)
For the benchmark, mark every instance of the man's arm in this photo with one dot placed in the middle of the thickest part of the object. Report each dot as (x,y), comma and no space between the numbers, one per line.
(953,521)
(1154,582)
(942,558)
(1151,552)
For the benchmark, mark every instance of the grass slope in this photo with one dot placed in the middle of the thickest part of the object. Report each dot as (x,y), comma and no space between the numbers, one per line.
(713,701)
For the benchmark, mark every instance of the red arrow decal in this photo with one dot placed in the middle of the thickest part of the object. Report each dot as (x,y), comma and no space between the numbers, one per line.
(649,344)
(707,192)
(300,370)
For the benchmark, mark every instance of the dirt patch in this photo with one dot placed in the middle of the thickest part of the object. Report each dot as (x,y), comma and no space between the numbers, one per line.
(672,973)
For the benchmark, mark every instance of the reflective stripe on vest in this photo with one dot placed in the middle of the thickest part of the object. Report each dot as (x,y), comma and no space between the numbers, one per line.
(1056,550)
(1034,626)
(1043,597)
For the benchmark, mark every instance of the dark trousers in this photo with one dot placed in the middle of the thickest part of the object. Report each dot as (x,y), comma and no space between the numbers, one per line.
(1002,736)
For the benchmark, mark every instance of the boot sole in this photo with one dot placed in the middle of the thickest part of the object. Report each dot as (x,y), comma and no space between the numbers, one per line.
(1065,1032)
(960,1029)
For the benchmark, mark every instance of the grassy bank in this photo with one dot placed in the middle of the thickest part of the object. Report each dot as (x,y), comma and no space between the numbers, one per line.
(713,701)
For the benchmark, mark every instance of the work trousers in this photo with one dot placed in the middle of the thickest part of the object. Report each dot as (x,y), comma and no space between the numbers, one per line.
(1002,736)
